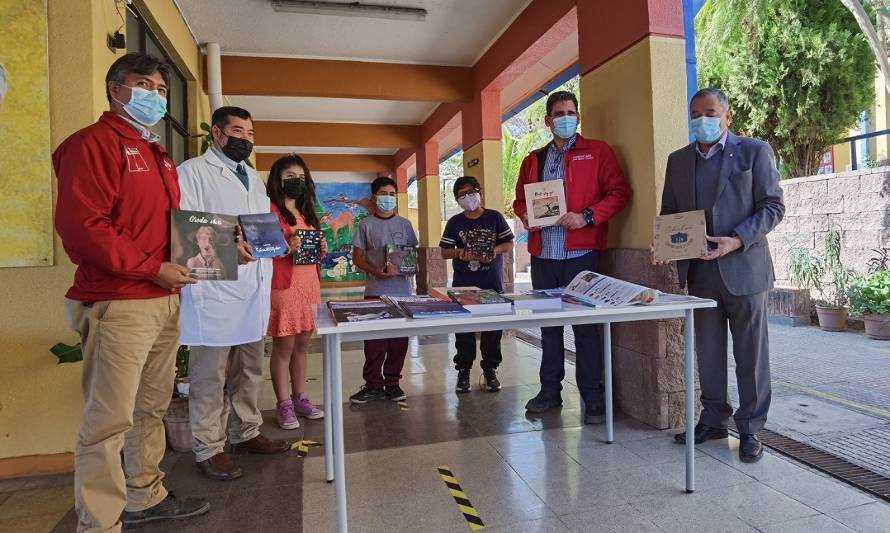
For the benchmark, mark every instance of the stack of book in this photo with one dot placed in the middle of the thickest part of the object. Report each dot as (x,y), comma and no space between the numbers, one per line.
(364,310)
(541,300)
(422,306)
(480,302)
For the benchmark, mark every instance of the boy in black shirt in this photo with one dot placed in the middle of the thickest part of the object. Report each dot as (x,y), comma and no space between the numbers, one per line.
(483,272)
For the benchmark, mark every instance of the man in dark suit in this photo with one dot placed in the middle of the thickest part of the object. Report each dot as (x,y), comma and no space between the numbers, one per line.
(734,180)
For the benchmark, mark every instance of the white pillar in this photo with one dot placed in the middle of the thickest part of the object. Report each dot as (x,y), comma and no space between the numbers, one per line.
(214,76)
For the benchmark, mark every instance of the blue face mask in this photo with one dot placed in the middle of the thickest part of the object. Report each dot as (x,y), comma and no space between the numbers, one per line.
(706,130)
(565,126)
(146,107)
(386,203)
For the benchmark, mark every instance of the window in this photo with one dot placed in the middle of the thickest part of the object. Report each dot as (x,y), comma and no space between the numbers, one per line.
(172,129)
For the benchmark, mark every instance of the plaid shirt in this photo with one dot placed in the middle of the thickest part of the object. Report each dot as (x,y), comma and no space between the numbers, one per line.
(553,238)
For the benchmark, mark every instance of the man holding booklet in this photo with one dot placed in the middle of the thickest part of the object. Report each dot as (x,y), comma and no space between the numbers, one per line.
(592,190)
(734,180)
(475,240)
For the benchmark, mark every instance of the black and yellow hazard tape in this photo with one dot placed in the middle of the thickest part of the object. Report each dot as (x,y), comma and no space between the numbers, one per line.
(403,406)
(463,502)
(302,446)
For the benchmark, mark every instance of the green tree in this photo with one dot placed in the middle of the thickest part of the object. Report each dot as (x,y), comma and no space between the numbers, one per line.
(798,72)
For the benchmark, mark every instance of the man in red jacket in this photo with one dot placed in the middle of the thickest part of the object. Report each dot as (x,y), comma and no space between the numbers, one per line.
(595,191)
(116,189)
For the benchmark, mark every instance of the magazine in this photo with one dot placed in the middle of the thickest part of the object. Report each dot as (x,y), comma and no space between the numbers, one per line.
(204,243)
(309,251)
(422,306)
(264,235)
(363,311)
(480,242)
(545,202)
(404,258)
(597,290)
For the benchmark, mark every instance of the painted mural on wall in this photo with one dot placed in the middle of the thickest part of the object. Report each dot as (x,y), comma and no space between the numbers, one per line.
(25,173)
(342,206)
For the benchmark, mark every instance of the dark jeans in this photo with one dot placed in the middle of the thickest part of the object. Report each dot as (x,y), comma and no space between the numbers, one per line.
(550,274)
(490,344)
(384,359)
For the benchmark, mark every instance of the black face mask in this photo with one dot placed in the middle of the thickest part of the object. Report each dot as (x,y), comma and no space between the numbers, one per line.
(237,149)
(294,187)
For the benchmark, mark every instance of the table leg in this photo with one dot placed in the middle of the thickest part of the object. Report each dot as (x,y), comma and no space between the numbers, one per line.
(607,371)
(328,412)
(690,401)
(337,426)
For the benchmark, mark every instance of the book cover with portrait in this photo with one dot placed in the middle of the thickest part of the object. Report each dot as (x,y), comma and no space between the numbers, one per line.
(205,244)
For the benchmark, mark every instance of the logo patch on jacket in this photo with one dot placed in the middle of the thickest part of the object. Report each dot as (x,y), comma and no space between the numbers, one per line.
(582,157)
(135,161)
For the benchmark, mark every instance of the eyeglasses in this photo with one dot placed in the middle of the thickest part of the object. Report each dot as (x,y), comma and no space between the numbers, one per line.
(463,195)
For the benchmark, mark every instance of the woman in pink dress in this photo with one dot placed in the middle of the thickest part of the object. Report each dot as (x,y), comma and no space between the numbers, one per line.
(295,288)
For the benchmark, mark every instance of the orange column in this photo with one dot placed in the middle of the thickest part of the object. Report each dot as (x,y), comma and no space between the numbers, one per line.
(431,266)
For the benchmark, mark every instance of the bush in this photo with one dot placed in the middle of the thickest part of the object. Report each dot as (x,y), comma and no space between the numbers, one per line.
(871,295)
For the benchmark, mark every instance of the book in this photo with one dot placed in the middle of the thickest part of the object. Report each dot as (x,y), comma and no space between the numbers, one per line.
(481,302)
(404,258)
(545,202)
(309,251)
(680,236)
(264,235)
(205,244)
(364,310)
(480,242)
(597,290)
(540,300)
(442,292)
(423,306)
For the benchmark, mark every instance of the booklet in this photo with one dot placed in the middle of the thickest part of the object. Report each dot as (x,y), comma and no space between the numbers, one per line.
(597,290)
(205,244)
(480,242)
(363,311)
(680,236)
(264,235)
(404,258)
(309,252)
(545,202)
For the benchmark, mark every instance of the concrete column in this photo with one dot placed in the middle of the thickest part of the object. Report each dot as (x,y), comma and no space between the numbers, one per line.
(214,76)
(431,267)
(633,96)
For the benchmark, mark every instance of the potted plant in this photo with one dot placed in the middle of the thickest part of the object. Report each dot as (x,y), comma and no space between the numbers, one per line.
(176,421)
(826,274)
(870,299)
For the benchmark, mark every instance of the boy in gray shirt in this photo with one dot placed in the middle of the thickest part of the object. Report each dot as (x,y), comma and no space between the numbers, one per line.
(384,358)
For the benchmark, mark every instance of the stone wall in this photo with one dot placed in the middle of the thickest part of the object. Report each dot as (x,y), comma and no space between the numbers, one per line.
(856,201)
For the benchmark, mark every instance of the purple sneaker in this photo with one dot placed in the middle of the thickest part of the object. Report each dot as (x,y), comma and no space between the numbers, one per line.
(287,419)
(303,407)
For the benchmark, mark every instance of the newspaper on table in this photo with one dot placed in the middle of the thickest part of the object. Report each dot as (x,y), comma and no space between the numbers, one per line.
(597,290)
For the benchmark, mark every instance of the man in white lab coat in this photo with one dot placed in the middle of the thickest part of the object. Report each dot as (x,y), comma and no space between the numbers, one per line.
(224,322)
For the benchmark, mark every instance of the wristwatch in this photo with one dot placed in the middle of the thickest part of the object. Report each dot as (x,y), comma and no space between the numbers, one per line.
(588,216)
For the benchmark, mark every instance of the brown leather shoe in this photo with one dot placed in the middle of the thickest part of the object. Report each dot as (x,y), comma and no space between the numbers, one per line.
(221,467)
(261,444)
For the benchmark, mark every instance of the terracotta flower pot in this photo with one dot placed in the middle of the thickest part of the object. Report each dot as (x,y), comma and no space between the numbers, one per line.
(877,327)
(176,422)
(832,318)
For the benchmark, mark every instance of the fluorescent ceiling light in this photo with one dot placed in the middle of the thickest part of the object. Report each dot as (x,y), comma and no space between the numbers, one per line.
(350,9)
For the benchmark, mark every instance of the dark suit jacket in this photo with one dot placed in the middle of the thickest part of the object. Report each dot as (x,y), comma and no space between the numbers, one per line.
(748,201)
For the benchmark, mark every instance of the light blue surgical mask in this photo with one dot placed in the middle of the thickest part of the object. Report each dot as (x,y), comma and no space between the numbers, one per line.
(386,203)
(146,107)
(706,130)
(565,126)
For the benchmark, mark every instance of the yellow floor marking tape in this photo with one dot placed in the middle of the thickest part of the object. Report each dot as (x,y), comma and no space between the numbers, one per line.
(403,406)
(836,399)
(463,502)
(302,446)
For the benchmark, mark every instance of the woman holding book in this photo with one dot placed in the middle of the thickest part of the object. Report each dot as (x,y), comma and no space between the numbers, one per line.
(295,288)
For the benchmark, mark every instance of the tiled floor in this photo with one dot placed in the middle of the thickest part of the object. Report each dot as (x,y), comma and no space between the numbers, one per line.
(522,474)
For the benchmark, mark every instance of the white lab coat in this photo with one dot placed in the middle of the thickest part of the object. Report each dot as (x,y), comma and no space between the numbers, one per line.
(224,313)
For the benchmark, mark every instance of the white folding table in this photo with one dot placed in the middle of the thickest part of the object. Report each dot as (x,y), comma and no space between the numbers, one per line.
(333,335)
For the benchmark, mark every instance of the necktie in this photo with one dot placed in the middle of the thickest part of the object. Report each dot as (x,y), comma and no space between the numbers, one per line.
(242,175)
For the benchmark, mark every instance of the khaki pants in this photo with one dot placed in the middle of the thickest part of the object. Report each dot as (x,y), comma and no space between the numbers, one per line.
(129,355)
(211,387)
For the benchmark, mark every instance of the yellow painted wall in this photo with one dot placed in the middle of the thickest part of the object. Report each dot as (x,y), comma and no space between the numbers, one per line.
(429,223)
(637,103)
(40,401)
(489,171)
(879,147)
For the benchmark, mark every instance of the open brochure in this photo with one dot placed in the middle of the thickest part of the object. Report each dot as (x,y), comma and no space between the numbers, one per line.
(590,288)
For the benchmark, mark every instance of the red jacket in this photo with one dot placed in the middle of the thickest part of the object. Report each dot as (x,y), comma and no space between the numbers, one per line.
(282,267)
(593,180)
(116,191)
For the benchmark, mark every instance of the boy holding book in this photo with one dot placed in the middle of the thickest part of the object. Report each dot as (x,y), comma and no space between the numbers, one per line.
(475,241)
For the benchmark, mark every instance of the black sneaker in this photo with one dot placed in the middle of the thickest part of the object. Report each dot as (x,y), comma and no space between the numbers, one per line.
(463,381)
(594,412)
(394,393)
(170,508)
(543,402)
(365,395)
(491,380)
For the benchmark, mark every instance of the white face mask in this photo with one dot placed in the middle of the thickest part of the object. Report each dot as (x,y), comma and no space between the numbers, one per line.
(470,202)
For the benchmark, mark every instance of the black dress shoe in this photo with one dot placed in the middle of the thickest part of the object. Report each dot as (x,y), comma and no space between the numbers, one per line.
(750,449)
(594,412)
(170,508)
(543,402)
(703,433)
